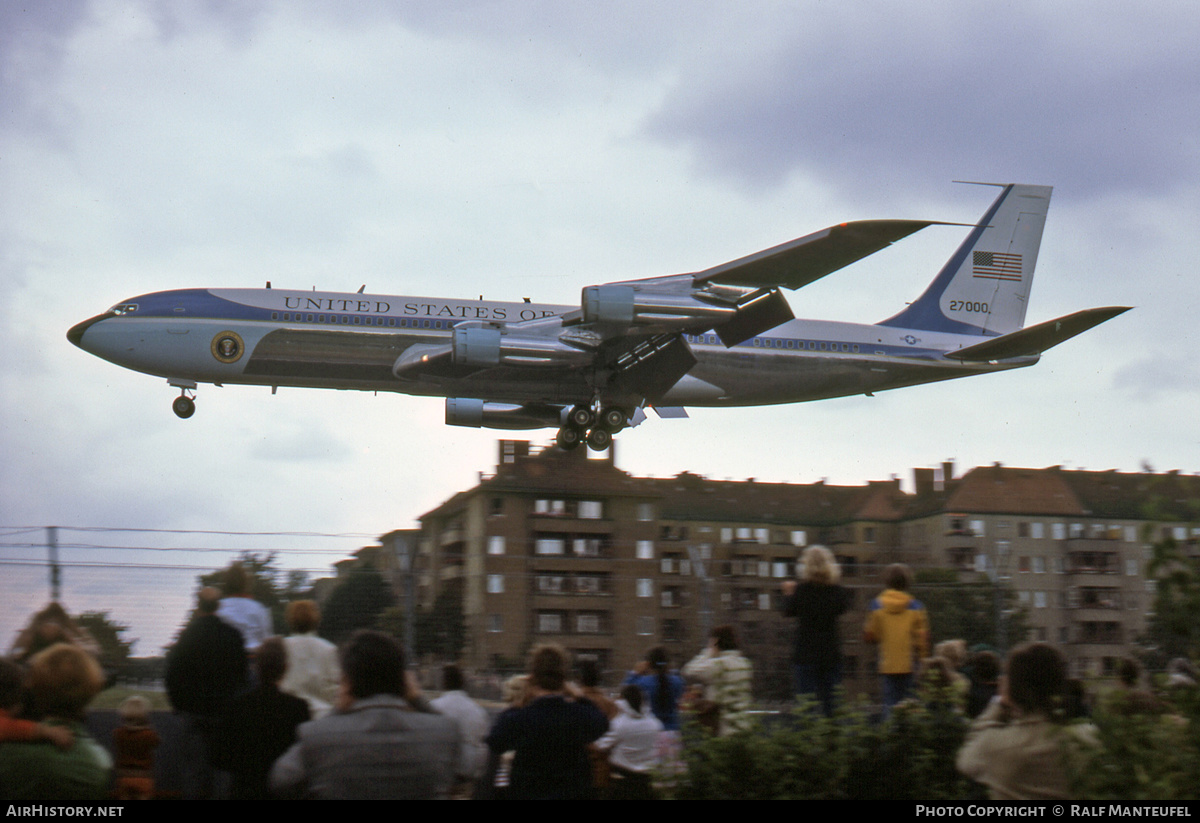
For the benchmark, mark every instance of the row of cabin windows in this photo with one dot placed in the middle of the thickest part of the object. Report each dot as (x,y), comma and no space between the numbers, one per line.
(779,343)
(363,320)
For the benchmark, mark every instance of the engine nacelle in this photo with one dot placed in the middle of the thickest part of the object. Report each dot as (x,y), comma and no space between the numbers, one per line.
(625,304)
(469,411)
(475,346)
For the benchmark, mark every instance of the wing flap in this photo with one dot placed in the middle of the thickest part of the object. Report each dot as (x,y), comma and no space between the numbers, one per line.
(1037,339)
(801,261)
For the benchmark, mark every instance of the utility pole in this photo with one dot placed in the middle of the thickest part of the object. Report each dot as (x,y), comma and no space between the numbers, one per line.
(55,571)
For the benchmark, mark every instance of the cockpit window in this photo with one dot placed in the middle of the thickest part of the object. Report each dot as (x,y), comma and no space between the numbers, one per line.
(123,308)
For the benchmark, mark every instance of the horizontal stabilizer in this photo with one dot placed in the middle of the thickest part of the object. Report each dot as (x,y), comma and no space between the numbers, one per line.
(801,261)
(1037,339)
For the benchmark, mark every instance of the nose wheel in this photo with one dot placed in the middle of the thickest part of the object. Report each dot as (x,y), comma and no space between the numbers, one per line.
(183,406)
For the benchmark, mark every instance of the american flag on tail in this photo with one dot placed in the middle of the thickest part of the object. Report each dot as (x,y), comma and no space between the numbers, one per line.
(996,265)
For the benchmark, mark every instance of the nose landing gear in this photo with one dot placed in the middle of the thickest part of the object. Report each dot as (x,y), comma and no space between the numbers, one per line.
(184,405)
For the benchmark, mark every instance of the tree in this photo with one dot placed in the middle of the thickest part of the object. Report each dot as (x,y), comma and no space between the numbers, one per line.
(114,649)
(440,630)
(1174,630)
(356,604)
(969,610)
(271,586)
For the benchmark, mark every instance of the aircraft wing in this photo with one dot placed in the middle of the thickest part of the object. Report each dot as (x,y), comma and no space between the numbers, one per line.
(801,261)
(1037,339)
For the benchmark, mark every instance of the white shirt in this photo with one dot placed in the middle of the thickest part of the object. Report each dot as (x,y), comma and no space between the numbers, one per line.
(633,738)
(249,617)
(473,723)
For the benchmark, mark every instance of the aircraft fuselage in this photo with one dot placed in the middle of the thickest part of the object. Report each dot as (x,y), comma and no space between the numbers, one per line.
(277,337)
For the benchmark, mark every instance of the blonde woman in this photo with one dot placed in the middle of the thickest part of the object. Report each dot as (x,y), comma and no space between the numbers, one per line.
(817,603)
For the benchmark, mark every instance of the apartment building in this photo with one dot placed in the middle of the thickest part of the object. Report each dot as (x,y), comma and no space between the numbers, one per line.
(566,547)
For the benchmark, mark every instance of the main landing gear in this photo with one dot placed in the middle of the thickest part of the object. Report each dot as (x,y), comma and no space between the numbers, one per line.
(597,430)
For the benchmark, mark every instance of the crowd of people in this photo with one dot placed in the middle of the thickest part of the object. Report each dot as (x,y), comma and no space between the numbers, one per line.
(262,716)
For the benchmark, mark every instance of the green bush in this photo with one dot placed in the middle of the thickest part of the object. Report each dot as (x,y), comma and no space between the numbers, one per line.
(804,755)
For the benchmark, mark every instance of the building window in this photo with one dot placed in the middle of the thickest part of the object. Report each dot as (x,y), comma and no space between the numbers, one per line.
(1037,530)
(591,509)
(1023,564)
(764,601)
(977,528)
(495,584)
(587,623)
(557,507)
(1130,534)
(550,545)
(981,563)
(1022,529)
(763,536)
(588,584)
(779,568)
(645,587)
(645,626)
(1039,565)
(868,534)
(1039,600)
(1058,531)
(550,583)
(586,546)
(645,512)
(549,622)
(495,544)
(1131,566)
(645,550)
(495,623)
(799,537)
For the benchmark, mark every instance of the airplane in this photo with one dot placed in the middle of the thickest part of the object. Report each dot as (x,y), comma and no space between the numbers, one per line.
(724,336)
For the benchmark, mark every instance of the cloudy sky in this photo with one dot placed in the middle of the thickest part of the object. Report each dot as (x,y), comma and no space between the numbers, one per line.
(522,149)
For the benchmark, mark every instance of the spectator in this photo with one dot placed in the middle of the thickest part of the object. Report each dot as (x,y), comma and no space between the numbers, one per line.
(379,744)
(260,725)
(984,675)
(1127,697)
(550,734)
(62,680)
(472,722)
(727,676)
(817,603)
(206,669)
(1016,748)
(312,671)
(663,689)
(240,610)
(632,746)
(898,624)
(134,742)
(15,730)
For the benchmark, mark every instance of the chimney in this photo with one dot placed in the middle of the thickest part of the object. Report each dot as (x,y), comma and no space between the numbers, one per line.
(923,481)
(511,451)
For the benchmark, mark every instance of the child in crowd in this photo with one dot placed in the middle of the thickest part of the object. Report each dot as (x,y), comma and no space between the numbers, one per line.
(134,742)
(13,730)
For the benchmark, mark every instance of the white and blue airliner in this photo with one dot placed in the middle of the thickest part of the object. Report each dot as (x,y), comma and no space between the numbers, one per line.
(724,336)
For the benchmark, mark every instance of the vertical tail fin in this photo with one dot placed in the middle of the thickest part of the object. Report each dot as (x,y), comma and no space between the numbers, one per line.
(984,288)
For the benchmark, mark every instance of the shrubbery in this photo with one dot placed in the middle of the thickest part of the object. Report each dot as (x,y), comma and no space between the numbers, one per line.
(805,756)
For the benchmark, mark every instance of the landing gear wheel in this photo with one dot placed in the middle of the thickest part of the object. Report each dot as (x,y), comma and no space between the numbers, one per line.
(183,406)
(599,439)
(581,417)
(568,438)
(613,419)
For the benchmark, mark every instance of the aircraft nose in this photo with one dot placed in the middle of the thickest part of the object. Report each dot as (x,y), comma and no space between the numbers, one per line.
(75,333)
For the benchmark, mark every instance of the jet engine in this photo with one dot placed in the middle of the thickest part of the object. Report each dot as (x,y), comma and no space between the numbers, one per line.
(468,411)
(481,346)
